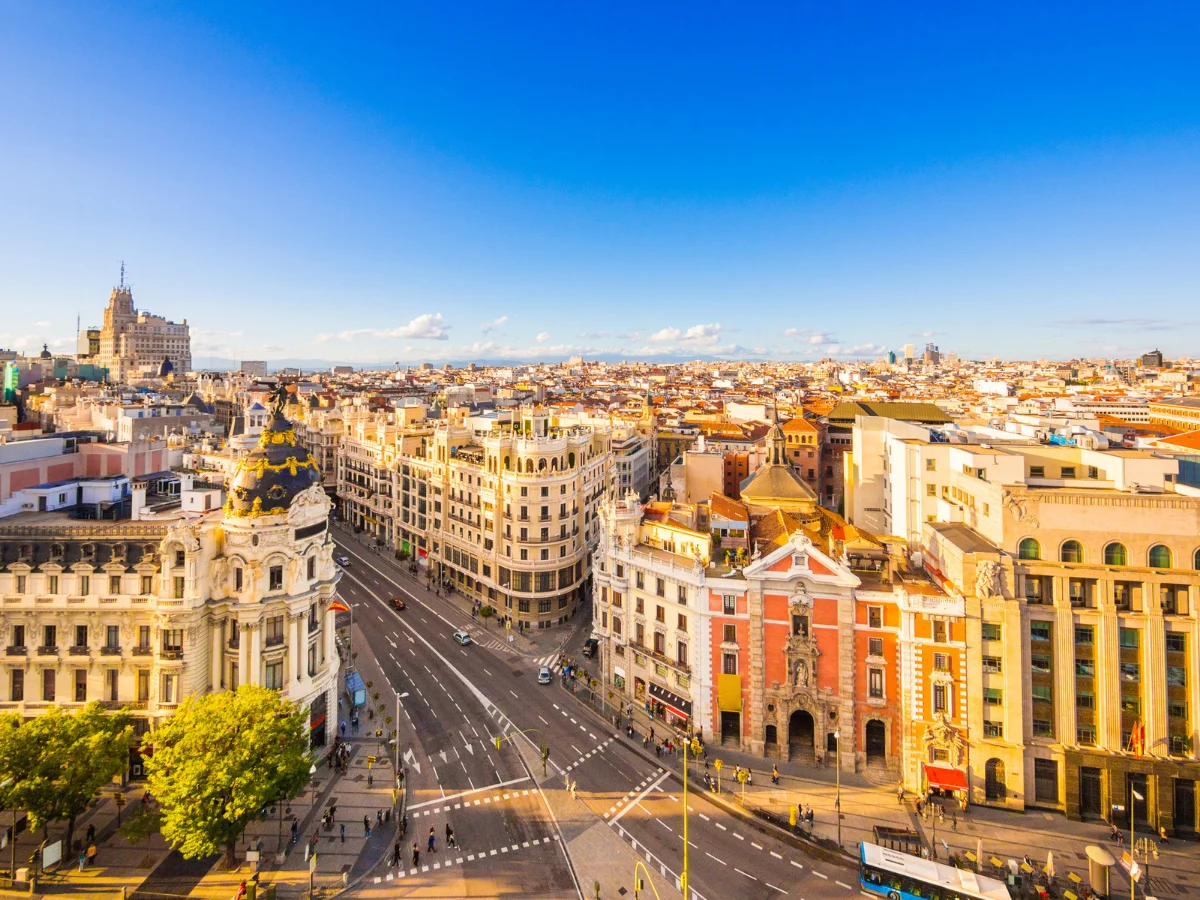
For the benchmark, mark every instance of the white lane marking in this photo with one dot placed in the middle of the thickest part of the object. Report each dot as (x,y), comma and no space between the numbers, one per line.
(717,858)
(719,825)
(661,778)
(772,887)
(843,884)
(820,874)
(796,864)
(774,854)
(490,787)
(738,836)
(756,846)
(747,874)
(705,818)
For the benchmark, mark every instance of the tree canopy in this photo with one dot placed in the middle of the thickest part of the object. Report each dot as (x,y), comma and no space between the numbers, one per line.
(59,760)
(219,760)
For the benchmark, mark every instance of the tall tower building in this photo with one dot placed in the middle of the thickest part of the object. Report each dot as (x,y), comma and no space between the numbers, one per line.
(133,343)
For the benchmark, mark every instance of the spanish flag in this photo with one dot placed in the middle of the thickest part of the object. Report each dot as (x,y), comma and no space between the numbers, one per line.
(338,606)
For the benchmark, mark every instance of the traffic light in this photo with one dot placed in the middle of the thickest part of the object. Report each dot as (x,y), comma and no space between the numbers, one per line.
(497,741)
(545,753)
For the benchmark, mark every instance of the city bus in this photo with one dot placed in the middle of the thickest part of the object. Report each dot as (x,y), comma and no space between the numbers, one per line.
(898,876)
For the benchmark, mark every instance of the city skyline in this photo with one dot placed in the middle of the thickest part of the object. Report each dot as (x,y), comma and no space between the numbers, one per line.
(531,188)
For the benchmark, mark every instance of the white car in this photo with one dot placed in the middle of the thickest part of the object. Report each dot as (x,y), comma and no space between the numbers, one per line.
(544,675)
(462,637)
(342,561)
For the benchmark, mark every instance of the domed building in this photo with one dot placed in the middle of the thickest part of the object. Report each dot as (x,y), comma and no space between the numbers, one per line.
(189,599)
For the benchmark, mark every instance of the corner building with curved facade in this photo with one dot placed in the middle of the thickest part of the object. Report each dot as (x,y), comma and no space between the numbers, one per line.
(141,614)
(507,514)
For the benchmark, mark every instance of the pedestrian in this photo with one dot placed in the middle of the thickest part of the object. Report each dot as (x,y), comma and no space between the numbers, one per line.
(450,842)
(343,727)
(396,853)
(366,827)
(241,891)
(295,829)
(91,833)
(91,854)
(953,820)
(379,816)
(1162,834)
(774,774)
(342,833)
(416,855)
(82,859)
(432,838)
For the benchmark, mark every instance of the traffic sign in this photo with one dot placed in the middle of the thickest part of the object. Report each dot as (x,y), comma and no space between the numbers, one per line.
(370,761)
(119,799)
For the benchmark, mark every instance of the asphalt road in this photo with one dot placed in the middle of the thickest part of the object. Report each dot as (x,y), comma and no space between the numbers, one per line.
(459,699)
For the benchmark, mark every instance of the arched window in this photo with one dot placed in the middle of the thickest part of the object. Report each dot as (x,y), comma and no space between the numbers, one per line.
(1114,554)
(1029,549)
(554,465)
(1160,557)
(571,460)
(542,465)
(507,463)
(616,625)
(1071,552)
(1196,560)
(529,466)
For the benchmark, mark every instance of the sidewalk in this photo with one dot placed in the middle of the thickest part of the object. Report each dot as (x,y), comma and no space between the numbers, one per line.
(1005,835)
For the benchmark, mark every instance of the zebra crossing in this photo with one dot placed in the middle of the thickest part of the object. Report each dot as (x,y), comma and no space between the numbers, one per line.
(551,662)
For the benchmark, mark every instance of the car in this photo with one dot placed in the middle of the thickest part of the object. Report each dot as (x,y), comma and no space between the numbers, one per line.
(462,637)
(397,603)
(544,676)
(342,561)
(589,647)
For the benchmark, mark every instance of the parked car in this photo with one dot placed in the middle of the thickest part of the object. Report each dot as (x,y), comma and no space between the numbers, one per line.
(544,675)
(590,646)
(397,603)
(462,637)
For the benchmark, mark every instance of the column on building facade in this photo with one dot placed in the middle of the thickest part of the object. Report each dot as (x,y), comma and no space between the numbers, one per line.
(846,724)
(244,635)
(753,722)
(1018,725)
(1154,677)
(328,631)
(1067,725)
(1108,676)
(216,656)
(299,647)
(253,637)
(1193,667)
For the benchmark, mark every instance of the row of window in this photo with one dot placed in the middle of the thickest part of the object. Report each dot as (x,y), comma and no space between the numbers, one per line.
(116,582)
(1115,554)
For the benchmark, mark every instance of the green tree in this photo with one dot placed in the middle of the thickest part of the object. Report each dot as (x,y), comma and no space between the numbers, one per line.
(58,761)
(219,760)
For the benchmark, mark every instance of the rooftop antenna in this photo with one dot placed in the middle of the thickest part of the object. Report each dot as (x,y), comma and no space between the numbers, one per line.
(122,273)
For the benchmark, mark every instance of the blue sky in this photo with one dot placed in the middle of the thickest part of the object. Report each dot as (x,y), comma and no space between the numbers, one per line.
(534,180)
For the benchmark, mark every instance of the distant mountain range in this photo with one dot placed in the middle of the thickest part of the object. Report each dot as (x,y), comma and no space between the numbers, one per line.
(220,363)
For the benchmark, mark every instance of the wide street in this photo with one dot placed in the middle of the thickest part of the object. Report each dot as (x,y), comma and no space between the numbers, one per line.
(459,699)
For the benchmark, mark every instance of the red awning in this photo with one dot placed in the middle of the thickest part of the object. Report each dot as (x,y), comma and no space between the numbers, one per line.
(945,778)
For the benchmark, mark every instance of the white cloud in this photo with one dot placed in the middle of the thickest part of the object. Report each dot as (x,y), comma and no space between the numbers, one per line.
(704,335)
(665,336)
(543,337)
(427,326)
(41,324)
(808,336)
(488,327)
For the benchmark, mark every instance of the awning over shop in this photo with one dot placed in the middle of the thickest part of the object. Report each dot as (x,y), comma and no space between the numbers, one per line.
(673,702)
(945,778)
(729,693)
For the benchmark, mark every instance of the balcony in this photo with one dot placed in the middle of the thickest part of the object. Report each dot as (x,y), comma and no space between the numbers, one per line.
(16,651)
(171,655)
(47,651)
(110,651)
(141,650)
(79,651)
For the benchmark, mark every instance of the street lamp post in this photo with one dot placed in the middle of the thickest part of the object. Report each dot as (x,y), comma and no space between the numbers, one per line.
(1133,798)
(312,778)
(837,803)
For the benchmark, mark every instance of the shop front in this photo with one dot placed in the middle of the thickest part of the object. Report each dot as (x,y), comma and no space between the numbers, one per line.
(670,707)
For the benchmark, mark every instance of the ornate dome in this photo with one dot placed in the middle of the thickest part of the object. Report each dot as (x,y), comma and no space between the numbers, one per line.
(268,478)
